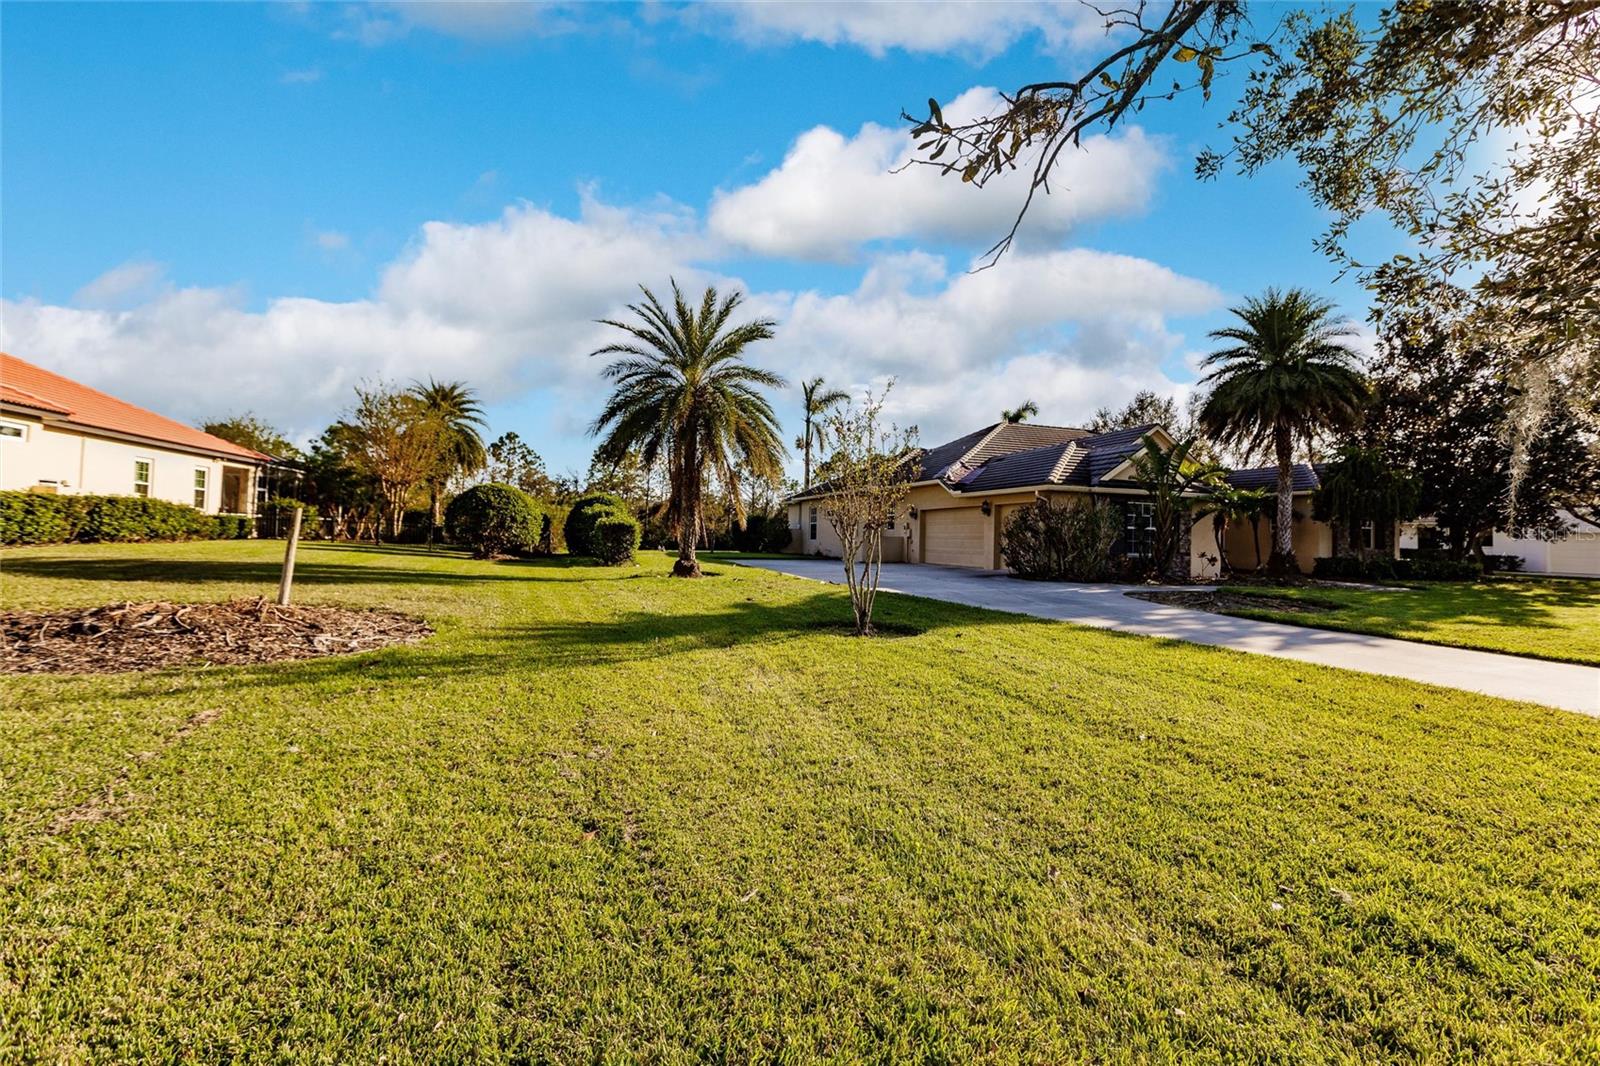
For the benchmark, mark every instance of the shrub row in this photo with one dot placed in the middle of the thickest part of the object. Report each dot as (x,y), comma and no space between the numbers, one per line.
(497,520)
(601,527)
(38,518)
(1383,568)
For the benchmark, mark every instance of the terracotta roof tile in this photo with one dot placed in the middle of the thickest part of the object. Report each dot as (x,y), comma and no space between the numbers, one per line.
(72,404)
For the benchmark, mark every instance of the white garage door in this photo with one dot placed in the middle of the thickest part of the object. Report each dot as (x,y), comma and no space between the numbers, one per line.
(1577,554)
(953,537)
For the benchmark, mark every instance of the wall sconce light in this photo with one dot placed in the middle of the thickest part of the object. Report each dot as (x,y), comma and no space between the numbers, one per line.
(986,508)
(913,512)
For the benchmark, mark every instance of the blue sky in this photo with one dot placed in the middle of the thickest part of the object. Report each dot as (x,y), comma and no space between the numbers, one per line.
(217,208)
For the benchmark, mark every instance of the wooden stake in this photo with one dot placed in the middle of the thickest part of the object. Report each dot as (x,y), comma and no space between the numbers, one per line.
(286,583)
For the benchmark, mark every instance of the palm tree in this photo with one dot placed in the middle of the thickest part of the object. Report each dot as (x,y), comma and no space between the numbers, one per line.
(453,408)
(1021,414)
(1290,373)
(816,401)
(1170,476)
(1227,504)
(683,394)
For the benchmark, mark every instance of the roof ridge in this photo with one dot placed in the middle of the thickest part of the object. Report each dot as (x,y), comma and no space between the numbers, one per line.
(1059,469)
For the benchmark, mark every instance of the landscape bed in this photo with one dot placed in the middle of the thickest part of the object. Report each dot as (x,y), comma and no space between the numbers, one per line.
(607,815)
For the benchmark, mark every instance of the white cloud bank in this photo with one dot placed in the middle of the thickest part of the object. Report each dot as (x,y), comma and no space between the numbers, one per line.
(983,29)
(509,305)
(832,193)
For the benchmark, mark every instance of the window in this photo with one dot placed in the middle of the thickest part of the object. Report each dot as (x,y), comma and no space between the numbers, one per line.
(1369,535)
(813,534)
(10,431)
(200,474)
(141,477)
(1139,530)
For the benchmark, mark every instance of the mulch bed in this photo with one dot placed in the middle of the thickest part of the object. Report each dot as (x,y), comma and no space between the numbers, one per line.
(1233,602)
(153,636)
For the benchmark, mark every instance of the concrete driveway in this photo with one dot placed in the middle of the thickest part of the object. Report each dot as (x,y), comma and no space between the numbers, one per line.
(1564,685)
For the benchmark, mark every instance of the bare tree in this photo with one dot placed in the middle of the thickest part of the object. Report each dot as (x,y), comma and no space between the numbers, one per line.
(866,481)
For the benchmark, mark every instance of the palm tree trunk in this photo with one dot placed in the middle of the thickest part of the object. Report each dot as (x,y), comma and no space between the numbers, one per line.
(688,514)
(1219,533)
(1282,562)
(806,484)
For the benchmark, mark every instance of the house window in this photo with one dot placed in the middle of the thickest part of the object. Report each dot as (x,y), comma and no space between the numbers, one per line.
(1139,529)
(10,431)
(1369,535)
(813,523)
(141,477)
(200,475)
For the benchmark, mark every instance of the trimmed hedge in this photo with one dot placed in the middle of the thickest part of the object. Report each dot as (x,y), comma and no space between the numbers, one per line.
(616,538)
(579,529)
(1383,568)
(496,520)
(38,518)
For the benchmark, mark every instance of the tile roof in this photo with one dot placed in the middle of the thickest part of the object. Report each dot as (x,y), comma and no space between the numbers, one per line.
(65,402)
(952,461)
(1304,478)
(1005,460)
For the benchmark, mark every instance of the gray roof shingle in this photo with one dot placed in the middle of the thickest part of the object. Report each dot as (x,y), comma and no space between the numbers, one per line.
(1304,478)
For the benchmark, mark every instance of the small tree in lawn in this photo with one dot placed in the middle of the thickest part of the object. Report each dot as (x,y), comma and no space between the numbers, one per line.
(867,480)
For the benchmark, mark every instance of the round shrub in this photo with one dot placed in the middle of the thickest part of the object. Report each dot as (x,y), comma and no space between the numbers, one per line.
(616,537)
(494,520)
(580,524)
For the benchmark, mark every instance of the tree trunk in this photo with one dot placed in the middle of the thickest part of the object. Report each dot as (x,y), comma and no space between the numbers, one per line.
(688,514)
(807,450)
(435,498)
(1219,533)
(1282,562)
(1341,537)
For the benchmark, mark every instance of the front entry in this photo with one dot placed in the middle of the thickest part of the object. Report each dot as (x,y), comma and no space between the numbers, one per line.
(953,537)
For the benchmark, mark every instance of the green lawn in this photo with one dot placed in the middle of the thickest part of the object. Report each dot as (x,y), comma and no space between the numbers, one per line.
(1554,618)
(605,815)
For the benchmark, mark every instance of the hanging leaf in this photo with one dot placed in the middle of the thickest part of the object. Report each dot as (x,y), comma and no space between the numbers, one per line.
(933,110)
(1185,54)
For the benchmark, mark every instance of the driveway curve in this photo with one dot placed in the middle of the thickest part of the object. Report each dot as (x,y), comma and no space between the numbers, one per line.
(1564,685)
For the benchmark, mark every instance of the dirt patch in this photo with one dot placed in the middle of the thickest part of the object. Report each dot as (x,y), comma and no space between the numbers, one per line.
(153,636)
(1235,603)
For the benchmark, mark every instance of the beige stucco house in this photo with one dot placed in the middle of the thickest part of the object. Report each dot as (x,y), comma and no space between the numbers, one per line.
(967,489)
(58,436)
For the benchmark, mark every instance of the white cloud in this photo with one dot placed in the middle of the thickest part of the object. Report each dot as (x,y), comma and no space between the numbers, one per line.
(982,29)
(833,193)
(510,306)
(308,76)
(331,240)
(1070,329)
(124,284)
(479,21)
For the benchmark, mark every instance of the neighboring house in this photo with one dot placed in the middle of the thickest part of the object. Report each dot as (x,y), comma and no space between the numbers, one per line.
(1577,554)
(57,436)
(966,490)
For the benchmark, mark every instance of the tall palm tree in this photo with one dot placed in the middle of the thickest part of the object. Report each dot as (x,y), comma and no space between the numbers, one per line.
(817,401)
(453,408)
(1289,373)
(682,393)
(1027,410)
